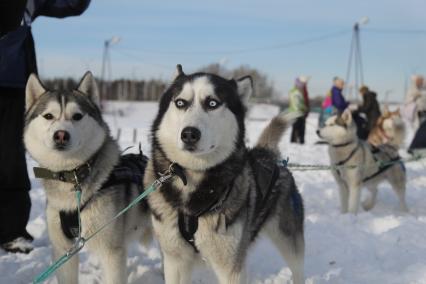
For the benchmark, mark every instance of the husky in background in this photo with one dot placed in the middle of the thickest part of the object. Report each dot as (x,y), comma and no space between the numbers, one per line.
(389,129)
(227,194)
(65,133)
(372,165)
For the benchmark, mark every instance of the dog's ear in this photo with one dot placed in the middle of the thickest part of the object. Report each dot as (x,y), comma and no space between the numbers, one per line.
(89,87)
(178,72)
(33,90)
(347,116)
(339,120)
(386,111)
(245,88)
(397,111)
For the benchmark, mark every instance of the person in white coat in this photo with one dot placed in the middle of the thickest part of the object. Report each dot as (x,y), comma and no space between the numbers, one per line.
(415,103)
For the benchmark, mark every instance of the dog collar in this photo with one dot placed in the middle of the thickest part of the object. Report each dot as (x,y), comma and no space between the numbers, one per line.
(75,176)
(343,144)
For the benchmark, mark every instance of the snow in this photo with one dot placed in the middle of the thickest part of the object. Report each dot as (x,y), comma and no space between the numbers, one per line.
(381,246)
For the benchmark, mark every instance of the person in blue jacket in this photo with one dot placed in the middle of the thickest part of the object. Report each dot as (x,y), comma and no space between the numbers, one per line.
(337,99)
(17,62)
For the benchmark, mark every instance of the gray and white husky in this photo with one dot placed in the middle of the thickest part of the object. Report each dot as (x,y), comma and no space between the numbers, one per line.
(227,193)
(65,133)
(360,164)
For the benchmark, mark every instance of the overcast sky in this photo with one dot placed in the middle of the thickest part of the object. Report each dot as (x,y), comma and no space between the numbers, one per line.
(156,35)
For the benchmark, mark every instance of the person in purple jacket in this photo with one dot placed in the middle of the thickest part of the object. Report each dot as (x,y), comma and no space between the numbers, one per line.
(337,99)
(17,62)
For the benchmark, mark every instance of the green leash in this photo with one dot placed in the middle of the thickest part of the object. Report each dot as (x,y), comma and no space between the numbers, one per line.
(80,241)
(316,167)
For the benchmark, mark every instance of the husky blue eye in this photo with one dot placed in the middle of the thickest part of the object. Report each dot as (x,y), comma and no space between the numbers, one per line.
(180,103)
(77,116)
(48,116)
(212,103)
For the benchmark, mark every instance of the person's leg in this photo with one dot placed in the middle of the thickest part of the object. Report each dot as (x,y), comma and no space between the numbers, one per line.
(302,130)
(296,134)
(361,125)
(14,182)
(293,138)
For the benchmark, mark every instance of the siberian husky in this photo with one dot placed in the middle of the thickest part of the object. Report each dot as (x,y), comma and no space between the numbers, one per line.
(65,133)
(389,129)
(227,193)
(359,164)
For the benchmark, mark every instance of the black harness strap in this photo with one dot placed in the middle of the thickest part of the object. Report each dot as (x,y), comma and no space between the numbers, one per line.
(265,183)
(129,170)
(349,156)
(188,226)
(188,223)
(389,163)
(382,169)
(69,224)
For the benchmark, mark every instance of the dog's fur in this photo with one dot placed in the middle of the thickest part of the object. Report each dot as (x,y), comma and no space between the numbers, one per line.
(219,166)
(89,137)
(389,129)
(344,145)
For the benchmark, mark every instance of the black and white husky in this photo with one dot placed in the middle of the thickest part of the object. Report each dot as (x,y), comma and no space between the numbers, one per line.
(227,194)
(65,133)
(359,164)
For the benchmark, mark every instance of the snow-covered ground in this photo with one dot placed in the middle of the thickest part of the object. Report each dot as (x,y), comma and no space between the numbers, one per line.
(381,246)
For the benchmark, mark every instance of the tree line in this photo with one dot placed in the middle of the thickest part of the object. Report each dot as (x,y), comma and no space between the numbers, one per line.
(151,90)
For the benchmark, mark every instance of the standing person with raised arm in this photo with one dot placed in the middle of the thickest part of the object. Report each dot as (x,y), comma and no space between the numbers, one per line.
(337,99)
(17,62)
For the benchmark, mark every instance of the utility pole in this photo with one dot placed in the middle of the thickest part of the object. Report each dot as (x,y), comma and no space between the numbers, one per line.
(356,56)
(106,61)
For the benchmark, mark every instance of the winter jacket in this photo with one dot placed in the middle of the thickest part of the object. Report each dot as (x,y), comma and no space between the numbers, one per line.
(327,104)
(17,53)
(296,101)
(338,100)
(418,96)
(371,108)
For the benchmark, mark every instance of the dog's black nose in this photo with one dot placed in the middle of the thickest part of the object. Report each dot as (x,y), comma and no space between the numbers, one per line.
(61,137)
(190,135)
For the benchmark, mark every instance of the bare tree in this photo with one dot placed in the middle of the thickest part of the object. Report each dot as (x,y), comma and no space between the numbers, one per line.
(263,87)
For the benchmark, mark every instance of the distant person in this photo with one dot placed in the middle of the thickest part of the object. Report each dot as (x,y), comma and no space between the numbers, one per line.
(17,62)
(337,99)
(370,107)
(299,102)
(418,144)
(326,110)
(415,104)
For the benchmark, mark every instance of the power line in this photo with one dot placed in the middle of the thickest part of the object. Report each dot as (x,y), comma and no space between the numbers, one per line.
(138,58)
(256,49)
(396,31)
